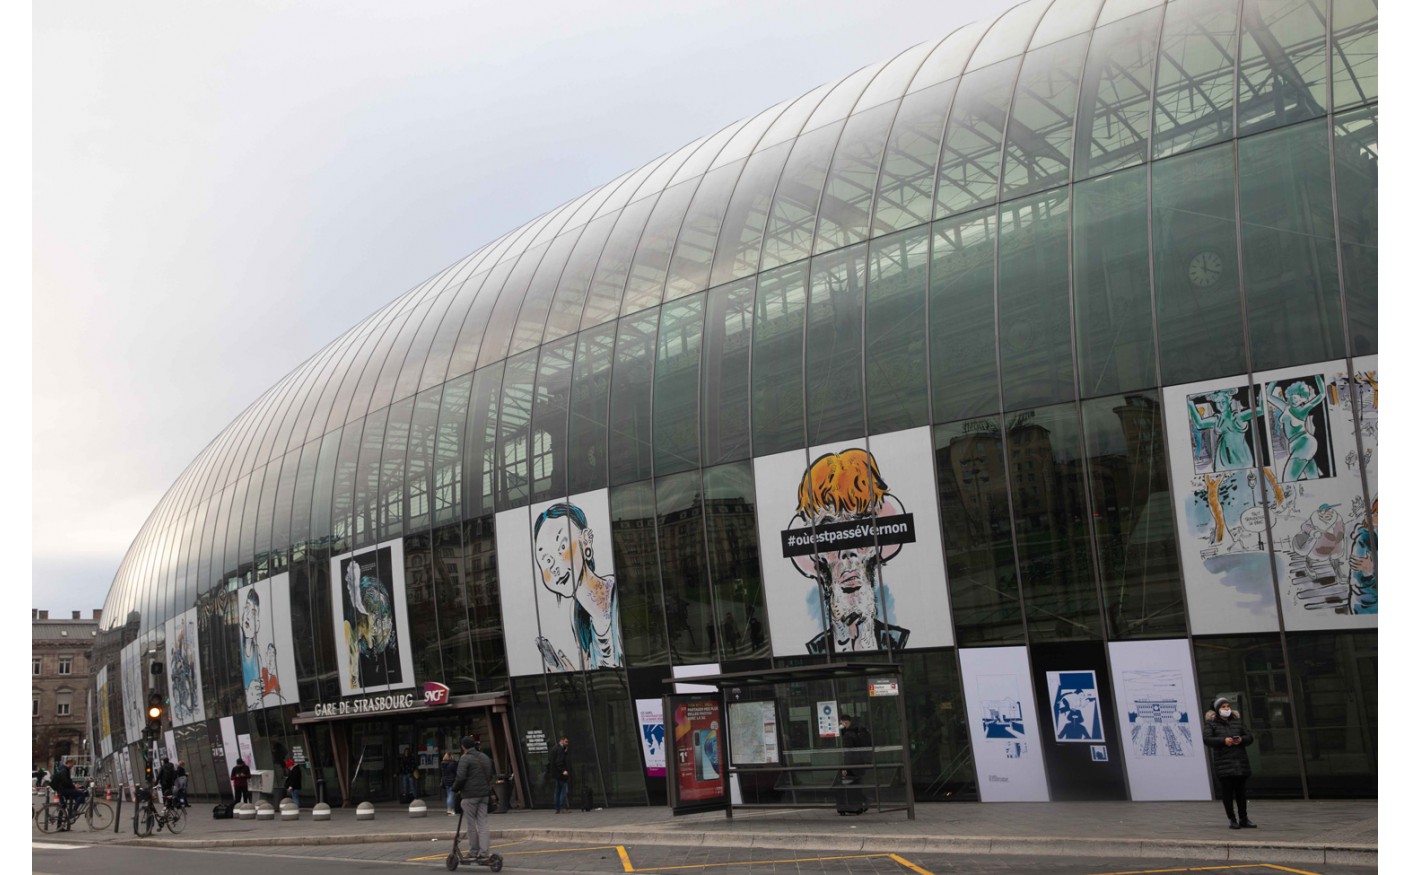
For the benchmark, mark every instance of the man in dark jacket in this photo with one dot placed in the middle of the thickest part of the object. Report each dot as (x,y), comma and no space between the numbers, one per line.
(1228,740)
(166,779)
(474,779)
(560,769)
(240,780)
(294,781)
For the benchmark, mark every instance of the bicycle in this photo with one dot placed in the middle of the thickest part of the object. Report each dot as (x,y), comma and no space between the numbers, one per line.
(149,819)
(58,816)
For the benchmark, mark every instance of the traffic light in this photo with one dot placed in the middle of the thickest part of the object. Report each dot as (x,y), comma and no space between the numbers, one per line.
(155,710)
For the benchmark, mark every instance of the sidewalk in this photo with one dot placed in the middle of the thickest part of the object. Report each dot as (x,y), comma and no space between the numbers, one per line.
(1290,832)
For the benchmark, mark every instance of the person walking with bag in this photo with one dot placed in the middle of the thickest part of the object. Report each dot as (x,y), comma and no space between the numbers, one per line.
(474,779)
(1228,741)
(448,767)
(294,782)
(560,768)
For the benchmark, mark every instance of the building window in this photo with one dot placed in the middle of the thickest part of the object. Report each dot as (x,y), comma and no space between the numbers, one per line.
(36,665)
(66,665)
(65,703)
(36,707)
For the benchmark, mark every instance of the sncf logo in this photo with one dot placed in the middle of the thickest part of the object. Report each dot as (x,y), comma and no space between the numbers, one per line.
(436,693)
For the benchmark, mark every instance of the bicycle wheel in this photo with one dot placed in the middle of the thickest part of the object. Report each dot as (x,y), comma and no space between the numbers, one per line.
(48,817)
(146,820)
(100,816)
(175,820)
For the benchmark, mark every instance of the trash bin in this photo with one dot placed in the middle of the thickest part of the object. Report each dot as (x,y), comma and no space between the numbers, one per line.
(501,793)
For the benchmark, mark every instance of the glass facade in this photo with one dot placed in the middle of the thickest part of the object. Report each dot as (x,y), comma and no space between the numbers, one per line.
(1087,296)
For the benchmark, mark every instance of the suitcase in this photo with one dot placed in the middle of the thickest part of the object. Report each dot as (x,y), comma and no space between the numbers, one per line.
(223,811)
(851,801)
(587,798)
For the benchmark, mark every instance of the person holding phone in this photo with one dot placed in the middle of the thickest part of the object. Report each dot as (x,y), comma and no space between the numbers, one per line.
(1228,741)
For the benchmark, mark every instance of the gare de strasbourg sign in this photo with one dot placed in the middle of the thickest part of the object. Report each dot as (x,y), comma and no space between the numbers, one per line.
(432,693)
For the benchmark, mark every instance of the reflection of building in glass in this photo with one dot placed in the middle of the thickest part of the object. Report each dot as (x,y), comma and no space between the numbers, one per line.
(1019,236)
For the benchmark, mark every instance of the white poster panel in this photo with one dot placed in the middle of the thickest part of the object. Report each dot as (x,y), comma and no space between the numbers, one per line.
(849,540)
(133,692)
(1156,705)
(1008,753)
(369,620)
(753,732)
(105,720)
(247,750)
(1304,503)
(649,718)
(184,669)
(827,719)
(556,560)
(267,644)
(230,746)
(170,738)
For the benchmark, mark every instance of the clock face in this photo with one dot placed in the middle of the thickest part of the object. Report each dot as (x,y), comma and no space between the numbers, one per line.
(1206,268)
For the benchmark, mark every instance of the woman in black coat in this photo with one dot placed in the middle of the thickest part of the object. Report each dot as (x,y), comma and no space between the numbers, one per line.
(1228,740)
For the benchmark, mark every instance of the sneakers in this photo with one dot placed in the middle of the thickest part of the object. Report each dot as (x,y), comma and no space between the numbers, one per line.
(450,812)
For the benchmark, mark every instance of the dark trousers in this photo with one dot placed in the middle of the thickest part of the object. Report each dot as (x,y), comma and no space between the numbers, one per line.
(1231,790)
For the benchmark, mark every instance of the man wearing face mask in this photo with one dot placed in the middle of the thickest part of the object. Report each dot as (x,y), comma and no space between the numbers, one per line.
(1225,735)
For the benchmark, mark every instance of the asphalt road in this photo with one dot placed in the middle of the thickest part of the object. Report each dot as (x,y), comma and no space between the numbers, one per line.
(64,858)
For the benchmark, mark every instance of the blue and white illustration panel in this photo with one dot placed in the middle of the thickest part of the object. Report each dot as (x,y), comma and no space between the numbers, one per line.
(1156,704)
(1008,754)
(1077,712)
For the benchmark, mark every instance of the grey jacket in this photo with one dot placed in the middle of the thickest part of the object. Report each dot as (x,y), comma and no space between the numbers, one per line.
(473,775)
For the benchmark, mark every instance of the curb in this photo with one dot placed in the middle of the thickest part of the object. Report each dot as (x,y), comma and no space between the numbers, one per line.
(1289,853)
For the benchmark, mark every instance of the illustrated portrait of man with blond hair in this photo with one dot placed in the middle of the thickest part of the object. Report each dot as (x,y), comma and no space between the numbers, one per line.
(847,525)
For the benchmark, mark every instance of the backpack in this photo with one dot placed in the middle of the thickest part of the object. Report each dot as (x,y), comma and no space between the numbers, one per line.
(223,811)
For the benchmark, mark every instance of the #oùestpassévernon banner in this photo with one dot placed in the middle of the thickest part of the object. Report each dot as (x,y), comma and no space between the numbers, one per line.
(849,544)
(1271,507)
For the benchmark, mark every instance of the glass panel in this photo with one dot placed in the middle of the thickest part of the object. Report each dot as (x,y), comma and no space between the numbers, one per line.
(732,544)
(744,143)
(506,309)
(1355,52)
(587,419)
(724,409)
(1251,672)
(795,207)
(791,121)
(653,253)
(1115,10)
(1194,88)
(1198,319)
(780,308)
(482,424)
(660,178)
(391,366)
(1010,34)
(834,338)
(978,535)
(605,295)
(1050,524)
(1038,142)
(1111,284)
(572,291)
(482,590)
(890,84)
(452,609)
(1337,710)
(421,606)
(1283,63)
(742,231)
(695,247)
(344,484)
(969,163)
(687,604)
(1064,19)
(512,437)
(700,161)
(447,475)
(391,485)
(630,422)
(675,432)
(1358,201)
(1035,346)
(409,380)
(1114,110)
(897,390)
(906,185)
(1289,247)
(549,447)
(948,61)
(840,100)
(367,480)
(627,190)
(1137,553)
(845,210)
(529,326)
(638,581)
(964,372)
(467,345)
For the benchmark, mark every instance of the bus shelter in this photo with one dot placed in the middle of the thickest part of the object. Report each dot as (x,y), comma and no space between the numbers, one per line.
(772,739)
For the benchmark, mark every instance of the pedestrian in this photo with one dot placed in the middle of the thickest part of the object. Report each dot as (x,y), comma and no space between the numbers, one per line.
(408,776)
(1225,735)
(179,788)
(474,776)
(39,775)
(166,779)
(294,782)
(448,767)
(856,751)
(62,784)
(240,780)
(560,767)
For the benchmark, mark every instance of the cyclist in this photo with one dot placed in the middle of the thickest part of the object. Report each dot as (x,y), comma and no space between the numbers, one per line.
(69,795)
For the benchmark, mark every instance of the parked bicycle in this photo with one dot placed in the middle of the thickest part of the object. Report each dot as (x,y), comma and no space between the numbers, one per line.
(59,815)
(152,818)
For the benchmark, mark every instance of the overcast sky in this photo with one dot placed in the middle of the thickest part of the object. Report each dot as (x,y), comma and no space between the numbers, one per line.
(222,188)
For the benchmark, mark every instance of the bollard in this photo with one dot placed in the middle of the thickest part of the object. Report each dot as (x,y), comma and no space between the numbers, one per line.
(286,802)
(244,811)
(321,811)
(417,808)
(366,811)
(264,811)
(288,812)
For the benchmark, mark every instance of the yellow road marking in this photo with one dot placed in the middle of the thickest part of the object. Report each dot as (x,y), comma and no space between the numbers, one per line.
(909,865)
(1213,869)
(762,862)
(626,861)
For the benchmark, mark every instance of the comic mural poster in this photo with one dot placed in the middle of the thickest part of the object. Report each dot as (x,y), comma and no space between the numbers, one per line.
(267,643)
(369,618)
(558,585)
(184,669)
(849,539)
(1277,499)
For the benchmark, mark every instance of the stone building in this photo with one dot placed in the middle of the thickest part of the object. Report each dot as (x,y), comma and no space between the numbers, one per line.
(62,678)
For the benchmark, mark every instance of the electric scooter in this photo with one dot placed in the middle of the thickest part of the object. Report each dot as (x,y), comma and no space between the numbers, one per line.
(494,861)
